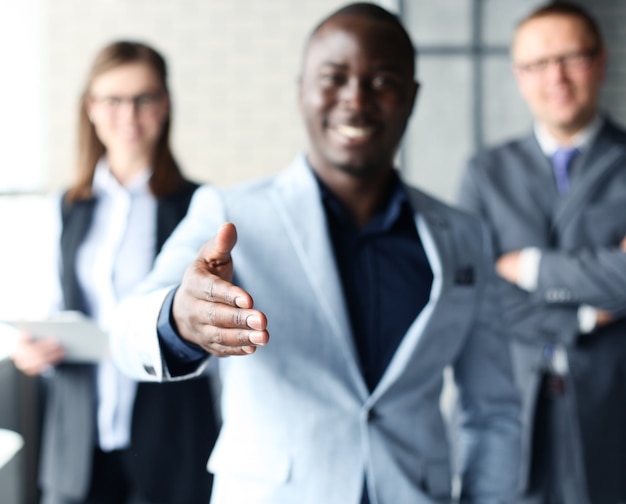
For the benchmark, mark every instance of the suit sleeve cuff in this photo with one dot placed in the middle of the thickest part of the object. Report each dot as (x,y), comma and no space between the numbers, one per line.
(530,259)
(586,318)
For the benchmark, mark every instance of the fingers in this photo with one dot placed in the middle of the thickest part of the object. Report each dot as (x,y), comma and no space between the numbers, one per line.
(211,274)
(33,357)
(508,266)
(224,342)
(204,285)
(227,317)
(603,318)
(221,329)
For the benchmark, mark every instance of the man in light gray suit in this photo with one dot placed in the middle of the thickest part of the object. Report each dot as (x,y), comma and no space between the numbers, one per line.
(556,204)
(369,288)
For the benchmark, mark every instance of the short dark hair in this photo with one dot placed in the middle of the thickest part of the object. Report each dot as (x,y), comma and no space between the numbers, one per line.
(373,12)
(565,8)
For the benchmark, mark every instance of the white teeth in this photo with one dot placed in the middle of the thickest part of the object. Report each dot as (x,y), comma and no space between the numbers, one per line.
(353,131)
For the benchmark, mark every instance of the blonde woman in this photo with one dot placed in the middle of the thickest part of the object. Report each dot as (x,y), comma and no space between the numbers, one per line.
(106,438)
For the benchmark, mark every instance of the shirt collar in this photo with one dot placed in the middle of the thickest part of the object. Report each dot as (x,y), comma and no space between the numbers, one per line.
(104,182)
(384,217)
(582,140)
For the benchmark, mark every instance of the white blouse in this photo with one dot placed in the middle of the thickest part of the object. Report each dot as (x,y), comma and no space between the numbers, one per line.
(116,254)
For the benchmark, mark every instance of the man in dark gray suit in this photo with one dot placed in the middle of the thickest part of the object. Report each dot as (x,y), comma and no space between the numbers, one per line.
(556,205)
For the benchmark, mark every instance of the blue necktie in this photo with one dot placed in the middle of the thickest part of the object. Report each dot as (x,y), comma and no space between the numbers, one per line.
(561,163)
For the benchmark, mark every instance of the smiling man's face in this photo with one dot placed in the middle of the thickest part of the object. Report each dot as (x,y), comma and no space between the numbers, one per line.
(356,95)
(559,68)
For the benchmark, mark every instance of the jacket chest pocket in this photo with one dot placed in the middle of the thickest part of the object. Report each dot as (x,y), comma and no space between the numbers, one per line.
(455,310)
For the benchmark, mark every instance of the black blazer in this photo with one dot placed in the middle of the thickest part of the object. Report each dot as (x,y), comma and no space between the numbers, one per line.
(173,425)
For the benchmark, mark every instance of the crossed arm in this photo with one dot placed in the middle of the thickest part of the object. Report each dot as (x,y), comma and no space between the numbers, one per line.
(597,278)
(591,277)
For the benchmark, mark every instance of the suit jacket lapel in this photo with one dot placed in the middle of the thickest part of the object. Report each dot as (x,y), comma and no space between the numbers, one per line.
(298,200)
(597,164)
(538,176)
(434,232)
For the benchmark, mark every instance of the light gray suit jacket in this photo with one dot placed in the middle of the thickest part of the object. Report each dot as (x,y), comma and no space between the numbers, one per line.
(512,188)
(299,424)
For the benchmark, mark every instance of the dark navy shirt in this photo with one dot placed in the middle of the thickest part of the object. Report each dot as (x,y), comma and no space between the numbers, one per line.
(385,275)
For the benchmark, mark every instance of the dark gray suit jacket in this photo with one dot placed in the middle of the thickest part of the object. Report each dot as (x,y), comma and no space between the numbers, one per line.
(173,426)
(512,188)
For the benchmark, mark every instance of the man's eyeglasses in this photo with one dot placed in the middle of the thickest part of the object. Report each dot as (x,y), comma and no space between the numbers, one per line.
(576,60)
(143,102)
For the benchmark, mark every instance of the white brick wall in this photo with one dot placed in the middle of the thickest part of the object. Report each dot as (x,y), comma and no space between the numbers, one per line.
(233,67)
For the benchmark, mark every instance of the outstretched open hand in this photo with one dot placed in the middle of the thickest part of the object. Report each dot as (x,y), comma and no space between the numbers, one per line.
(210,311)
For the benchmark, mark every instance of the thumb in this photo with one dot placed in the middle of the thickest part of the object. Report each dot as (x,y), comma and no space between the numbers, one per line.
(216,253)
(225,239)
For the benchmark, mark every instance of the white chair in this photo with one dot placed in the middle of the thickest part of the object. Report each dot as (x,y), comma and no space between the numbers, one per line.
(10,466)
